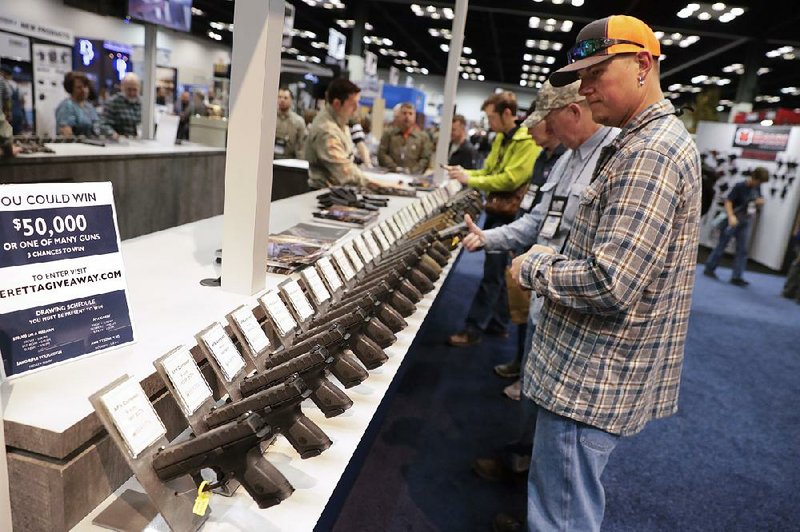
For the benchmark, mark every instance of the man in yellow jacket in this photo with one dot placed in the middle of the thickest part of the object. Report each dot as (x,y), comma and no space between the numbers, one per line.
(508,167)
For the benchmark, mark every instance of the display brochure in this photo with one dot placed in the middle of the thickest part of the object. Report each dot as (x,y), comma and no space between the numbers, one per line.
(344,265)
(191,388)
(343,213)
(63,294)
(317,233)
(287,253)
(223,350)
(315,283)
(133,416)
(325,267)
(253,334)
(298,299)
(355,260)
(278,312)
(372,244)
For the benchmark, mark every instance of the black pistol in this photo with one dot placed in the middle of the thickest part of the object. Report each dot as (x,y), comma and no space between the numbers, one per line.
(232,451)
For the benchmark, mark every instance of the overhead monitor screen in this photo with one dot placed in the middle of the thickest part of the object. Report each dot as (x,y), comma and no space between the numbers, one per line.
(175,14)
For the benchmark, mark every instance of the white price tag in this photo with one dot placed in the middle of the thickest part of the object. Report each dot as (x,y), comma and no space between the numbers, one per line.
(191,388)
(405,217)
(362,248)
(314,282)
(419,210)
(253,334)
(395,227)
(426,205)
(329,273)
(385,236)
(298,299)
(344,264)
(221,346)
(134,416)
(372,243)
(278,312)
(353,256)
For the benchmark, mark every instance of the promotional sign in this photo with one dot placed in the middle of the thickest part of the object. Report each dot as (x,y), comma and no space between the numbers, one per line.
(63,293)
(761,142)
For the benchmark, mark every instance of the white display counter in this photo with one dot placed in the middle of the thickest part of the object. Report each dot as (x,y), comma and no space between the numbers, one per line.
(169,306)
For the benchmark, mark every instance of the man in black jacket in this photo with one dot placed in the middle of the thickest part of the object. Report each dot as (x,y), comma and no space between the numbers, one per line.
(461,152)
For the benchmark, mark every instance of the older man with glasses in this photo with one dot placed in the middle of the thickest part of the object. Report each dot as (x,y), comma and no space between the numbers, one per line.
(608,349)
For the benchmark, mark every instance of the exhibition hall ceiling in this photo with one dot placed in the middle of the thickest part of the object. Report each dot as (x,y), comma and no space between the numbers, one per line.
(522,41)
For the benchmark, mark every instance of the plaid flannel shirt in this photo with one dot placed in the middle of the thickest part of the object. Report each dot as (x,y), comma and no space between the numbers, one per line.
(608,349)
(122,115)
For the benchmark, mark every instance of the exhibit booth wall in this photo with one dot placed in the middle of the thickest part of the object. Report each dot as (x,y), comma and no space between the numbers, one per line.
(733,150)
(193,57)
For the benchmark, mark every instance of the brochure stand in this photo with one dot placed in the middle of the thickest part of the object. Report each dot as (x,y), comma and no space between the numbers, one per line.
(123,408)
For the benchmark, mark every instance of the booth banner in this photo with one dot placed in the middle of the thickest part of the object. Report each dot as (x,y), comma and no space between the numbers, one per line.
(63,291)
(760,142)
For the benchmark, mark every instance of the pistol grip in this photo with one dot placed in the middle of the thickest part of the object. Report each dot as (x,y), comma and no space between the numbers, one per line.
(391,318)
(348,371)
(368,352)
(265,484)
(403,305)
(306,437)
(379,333)
(410,291)
(330,399)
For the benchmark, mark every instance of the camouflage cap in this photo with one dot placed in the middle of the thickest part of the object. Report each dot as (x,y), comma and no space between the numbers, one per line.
(550,98)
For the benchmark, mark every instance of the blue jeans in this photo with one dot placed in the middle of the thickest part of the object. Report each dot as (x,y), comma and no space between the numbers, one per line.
(741,232)
(490,305)
(564,488)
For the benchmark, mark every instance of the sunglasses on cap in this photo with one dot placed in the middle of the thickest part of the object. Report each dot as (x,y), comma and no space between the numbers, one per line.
(589,47)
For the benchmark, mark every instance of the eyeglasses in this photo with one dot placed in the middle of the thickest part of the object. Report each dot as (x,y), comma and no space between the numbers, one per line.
(589,47)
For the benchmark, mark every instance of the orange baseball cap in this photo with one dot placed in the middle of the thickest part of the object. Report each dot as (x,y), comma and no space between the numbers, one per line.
(600,40)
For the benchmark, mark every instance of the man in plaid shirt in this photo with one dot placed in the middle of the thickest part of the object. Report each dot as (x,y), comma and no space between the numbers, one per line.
(123,112)
(608,349)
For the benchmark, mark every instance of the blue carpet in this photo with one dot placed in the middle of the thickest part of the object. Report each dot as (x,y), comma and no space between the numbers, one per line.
(729,460)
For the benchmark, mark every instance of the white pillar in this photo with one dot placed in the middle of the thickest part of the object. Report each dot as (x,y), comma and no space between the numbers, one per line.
(5,499)
(149,82)
(255,70)
(450,87)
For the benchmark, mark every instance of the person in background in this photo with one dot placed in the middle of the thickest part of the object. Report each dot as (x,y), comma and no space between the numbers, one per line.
(123,112)
(506,169)
(7,138)
(561,115)
(405,147)
(608,349)
(290,131)
(741,207)
(791,288)
(75,115)
(552,149)
(13,103)
(360,143)
(461,153)
(329,146)
(183,113)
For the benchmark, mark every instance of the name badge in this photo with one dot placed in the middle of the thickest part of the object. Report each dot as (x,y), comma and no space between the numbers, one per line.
(530,196)
(280,146)
(554,215)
